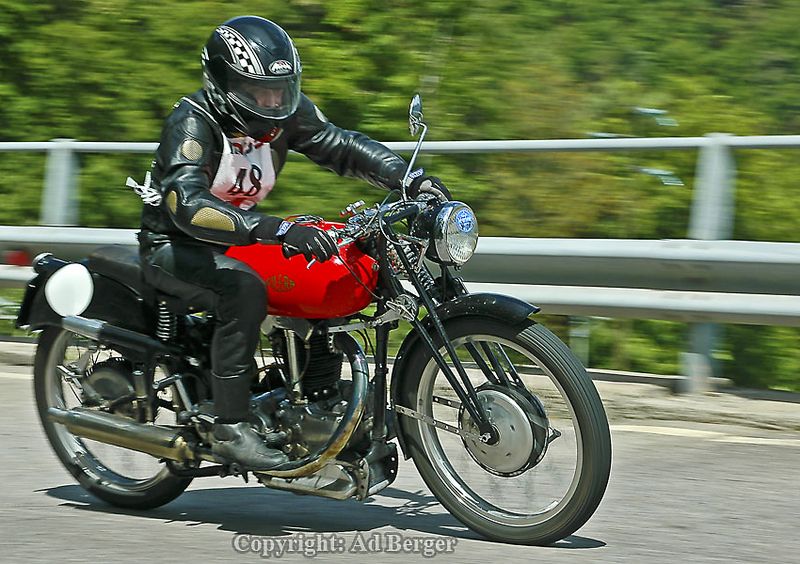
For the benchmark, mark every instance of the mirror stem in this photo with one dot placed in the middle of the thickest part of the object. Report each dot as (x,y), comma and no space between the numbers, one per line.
(406,182)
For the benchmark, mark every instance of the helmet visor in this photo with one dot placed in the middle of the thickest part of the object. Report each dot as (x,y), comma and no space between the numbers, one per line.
(267,97)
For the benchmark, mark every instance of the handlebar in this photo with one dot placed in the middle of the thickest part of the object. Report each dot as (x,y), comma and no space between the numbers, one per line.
(410,210)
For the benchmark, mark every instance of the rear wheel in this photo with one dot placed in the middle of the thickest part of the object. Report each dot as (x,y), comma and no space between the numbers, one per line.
(64,363)
(547,472)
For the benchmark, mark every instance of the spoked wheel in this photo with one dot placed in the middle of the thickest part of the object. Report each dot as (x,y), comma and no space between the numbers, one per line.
(544,473)
(71,371)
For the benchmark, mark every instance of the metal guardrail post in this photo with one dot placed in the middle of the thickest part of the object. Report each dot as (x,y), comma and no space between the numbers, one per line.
(59,198)
(580,330)
(711,218)
(712,208)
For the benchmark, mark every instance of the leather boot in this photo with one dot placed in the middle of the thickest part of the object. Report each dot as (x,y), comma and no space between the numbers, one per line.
(239,443)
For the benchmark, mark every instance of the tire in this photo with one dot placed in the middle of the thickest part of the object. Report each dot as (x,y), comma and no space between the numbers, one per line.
(95,465)
(529,502)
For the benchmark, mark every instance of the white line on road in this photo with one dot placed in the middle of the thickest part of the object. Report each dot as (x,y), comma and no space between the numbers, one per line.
(672,431)
(714,436)
(758,441)
(13,376)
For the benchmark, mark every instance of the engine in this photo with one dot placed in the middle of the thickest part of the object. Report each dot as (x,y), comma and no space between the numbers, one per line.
(309,423)
(308,426)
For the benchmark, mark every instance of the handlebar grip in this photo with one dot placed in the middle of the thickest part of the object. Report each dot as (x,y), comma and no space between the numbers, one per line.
(413,209)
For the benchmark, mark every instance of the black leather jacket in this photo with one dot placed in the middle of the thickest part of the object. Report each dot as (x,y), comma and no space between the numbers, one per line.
(189,210)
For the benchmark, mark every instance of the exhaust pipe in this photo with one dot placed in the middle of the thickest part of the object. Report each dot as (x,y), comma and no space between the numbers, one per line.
(165,442)
(352,417)
(331,481)
(110,334)
(161,442)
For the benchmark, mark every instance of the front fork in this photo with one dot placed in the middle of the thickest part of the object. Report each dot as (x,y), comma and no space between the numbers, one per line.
(460,382)
(381,373)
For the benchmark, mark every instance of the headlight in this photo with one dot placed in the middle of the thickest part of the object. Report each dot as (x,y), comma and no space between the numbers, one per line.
(453,231)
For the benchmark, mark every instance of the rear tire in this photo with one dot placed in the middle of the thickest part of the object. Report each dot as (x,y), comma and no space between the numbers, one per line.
(505,506)
(115,486)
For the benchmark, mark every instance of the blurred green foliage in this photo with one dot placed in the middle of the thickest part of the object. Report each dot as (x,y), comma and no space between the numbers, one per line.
(109,70)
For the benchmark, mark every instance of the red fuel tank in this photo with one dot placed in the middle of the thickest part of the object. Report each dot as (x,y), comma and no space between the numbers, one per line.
(325,290)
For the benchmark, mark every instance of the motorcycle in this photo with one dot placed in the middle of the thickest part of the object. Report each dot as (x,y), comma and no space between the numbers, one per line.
(499,417)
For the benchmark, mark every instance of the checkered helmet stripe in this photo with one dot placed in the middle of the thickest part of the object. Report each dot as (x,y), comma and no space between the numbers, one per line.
(241,52)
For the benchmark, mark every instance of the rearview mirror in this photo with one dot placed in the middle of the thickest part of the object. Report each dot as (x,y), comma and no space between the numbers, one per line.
(415,115)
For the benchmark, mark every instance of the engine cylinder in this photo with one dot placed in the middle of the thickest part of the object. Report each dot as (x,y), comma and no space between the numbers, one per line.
(323,369)
(320,367)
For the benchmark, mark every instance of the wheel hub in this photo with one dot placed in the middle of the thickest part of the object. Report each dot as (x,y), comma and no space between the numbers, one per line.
(111,379)
(518,428)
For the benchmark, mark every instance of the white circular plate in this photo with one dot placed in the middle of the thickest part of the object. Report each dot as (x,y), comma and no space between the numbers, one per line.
(69,290)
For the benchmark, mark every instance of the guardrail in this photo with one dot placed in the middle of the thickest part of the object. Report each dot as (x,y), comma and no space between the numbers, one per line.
(711,219)
(679,280)
(712,206)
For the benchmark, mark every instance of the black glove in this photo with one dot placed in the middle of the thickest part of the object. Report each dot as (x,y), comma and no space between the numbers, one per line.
(311,242)
(429,185)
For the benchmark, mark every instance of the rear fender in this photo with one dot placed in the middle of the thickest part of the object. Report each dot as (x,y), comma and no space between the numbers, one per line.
(111,302)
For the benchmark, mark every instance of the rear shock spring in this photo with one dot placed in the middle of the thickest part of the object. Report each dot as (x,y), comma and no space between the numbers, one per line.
(167,325)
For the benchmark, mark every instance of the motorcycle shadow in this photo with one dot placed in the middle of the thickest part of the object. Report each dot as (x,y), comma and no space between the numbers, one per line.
(258,511)
(261,512)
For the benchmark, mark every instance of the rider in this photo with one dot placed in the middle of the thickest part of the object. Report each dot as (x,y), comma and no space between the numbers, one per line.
(220,152)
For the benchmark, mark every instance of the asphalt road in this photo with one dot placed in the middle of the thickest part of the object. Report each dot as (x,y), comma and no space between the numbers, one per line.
(679,491)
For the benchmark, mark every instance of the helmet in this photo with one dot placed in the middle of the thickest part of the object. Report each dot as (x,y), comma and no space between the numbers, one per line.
(251,73)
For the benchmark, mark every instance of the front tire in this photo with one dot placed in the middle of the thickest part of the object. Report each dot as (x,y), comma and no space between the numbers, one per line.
(543,501)
(118,476)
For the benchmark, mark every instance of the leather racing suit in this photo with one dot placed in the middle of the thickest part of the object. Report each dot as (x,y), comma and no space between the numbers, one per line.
(209,184)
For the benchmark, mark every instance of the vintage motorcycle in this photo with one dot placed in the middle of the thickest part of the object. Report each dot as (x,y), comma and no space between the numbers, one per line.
(499,417)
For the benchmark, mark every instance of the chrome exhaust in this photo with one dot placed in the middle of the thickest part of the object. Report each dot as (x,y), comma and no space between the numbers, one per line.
(332,481)
(166,442)
(161,442)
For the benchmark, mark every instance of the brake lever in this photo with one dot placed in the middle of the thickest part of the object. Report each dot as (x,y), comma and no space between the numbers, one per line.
(345,241)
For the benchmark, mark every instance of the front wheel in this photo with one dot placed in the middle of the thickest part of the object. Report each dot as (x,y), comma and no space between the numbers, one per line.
(547,470)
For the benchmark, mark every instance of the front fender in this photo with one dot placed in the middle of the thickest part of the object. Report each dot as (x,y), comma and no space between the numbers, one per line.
(495,306)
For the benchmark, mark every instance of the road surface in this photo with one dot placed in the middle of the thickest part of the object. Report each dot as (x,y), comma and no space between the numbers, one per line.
(679,491)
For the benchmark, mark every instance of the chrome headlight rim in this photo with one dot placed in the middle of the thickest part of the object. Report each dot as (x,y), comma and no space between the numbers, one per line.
(454,220)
